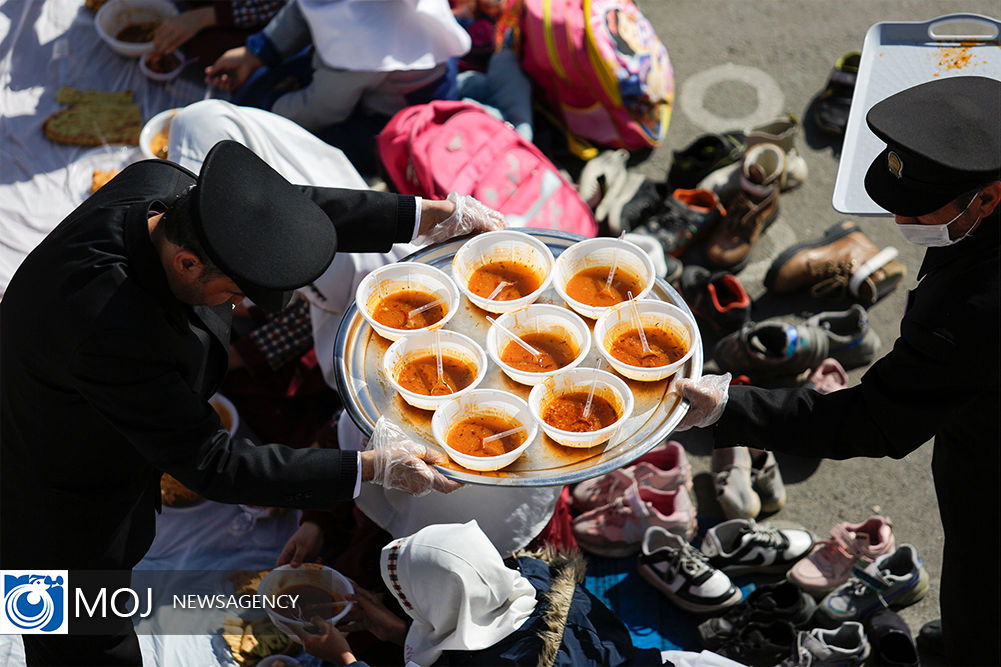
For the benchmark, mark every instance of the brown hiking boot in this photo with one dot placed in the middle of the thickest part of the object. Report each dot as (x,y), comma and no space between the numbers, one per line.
(843,263)
(752,211)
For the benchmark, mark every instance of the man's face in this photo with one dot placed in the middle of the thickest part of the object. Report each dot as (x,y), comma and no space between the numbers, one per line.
(192,283)
(959,218)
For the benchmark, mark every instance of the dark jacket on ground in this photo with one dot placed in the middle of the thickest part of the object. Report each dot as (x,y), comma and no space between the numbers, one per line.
(940,380)
(105,377)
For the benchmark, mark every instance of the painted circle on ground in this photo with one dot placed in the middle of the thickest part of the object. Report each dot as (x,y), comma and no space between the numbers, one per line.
(694,90)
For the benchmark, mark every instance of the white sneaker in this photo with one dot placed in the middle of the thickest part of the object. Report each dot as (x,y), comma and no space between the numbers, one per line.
(683,573)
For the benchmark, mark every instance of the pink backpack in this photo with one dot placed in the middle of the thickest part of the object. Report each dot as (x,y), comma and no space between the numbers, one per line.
(601,68)
(433,149)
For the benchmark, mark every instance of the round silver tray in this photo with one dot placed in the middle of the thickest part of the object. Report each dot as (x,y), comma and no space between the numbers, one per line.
(367,394)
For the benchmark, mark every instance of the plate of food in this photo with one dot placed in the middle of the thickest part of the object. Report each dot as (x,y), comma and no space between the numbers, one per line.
(654,407)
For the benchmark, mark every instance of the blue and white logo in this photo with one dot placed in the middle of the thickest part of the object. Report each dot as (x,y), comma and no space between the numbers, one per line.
(34,602)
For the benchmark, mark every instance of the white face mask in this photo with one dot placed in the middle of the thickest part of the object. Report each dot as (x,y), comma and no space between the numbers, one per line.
(935,236)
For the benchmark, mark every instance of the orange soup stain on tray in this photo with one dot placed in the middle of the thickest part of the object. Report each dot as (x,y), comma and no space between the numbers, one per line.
(522,280)
(467,436)
(394,310)
(555,352)
(420,375)
(589,286)
(566,412)
(666,347)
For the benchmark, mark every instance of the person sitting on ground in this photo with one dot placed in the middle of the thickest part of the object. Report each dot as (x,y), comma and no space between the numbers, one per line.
(208,29)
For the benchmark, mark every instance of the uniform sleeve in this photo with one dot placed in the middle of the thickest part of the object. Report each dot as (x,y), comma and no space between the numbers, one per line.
(143,396)
(366,221)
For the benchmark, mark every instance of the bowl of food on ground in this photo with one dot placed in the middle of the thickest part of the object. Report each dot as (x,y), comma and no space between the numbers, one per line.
(127,26)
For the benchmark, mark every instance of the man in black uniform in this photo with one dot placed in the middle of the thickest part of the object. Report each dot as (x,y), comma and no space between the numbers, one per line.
(115,332)
(940,175)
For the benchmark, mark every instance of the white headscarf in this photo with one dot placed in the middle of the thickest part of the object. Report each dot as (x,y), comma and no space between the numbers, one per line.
(452,581)
(384,35)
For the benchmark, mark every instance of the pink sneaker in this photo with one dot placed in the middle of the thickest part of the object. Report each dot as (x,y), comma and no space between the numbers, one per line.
(664,468)
(830,564)
(616,529)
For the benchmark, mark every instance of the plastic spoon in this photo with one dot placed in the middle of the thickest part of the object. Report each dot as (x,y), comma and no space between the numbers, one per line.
(421,309)
(639,325)
(517,339)
(497,290)
(441,369)
(611,273)
(590,395)
(503,434)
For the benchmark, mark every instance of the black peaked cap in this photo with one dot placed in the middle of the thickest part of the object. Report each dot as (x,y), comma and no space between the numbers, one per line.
(259,229)
(943,138)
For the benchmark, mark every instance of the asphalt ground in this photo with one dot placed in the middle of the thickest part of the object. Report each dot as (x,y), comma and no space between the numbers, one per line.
(796,45)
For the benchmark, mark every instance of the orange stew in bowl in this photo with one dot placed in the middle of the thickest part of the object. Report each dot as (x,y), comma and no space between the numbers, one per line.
(420,375)
(138,33)
(666,347)
(394,310)
(590,286)
(566,412)
(467,435)
(521,279)
(555,353)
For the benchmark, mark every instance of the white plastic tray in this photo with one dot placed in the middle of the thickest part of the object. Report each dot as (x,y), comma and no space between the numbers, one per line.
(897,56)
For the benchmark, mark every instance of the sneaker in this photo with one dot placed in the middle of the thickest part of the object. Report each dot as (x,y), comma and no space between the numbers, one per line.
(830,564)
(644,202)
(753,210)
(770,349)
(683,219)
(613,204)
(891,639)
(769,602)
(782,132)
(845,647)
(829,376)
(731,467)
(716,299)
(704,155)
(830,109)
(601,174)
(761,643)
(850,338)
(616,530)
(766,480)
(664,468)
(739,546)
(893,580)
(683,574)
(667,267)
(843,263)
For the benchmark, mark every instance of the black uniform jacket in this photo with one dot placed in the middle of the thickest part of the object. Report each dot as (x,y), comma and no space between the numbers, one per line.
(105,377)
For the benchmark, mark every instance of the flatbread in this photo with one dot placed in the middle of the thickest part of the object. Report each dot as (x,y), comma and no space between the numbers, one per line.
(245,582)
(67,95)
(251,640)
(94,118)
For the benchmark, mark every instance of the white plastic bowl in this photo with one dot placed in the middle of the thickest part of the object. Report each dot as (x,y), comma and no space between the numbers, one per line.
(505,244)
(221,403)
(162,77)
(653,312)
(452,344)
(609,387)
(483,402)
(158,123)
(391,278)
(601,252)
(118,14)
(313,574)
(538,317)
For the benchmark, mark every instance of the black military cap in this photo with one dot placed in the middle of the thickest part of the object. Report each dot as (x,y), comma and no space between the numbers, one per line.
(943,138)
(259,229)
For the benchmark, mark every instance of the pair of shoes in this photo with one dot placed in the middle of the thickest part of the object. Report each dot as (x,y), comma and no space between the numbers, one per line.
(683,573)
(893,580)
(829,376)
(770,349)
(830,110)
(601,175)
(716,299)
(851,340)
(830,564)
(842,263)
(760,643)
(664,468)
(747,482)
(616,530)
(846,646)
(741,546)
(703,156)
(682,219)
(753,209)
(891,639)
(768,602)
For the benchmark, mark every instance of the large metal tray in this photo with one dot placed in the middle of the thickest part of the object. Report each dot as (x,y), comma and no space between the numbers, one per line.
(367,394)
(897,56)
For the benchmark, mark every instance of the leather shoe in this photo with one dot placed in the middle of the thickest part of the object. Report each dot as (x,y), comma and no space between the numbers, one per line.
(892,643)
(930,638)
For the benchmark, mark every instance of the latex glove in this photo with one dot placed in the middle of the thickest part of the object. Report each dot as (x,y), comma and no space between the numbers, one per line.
(402,464)
(470,216)
(707,396)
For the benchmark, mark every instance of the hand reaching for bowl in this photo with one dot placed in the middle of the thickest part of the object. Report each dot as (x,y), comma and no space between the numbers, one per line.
(440,221)
(232,69)
(175,31)
(396,462)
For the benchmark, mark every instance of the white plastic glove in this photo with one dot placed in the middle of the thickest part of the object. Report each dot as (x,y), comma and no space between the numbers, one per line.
(404,465)
(707,396)
(470,216)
